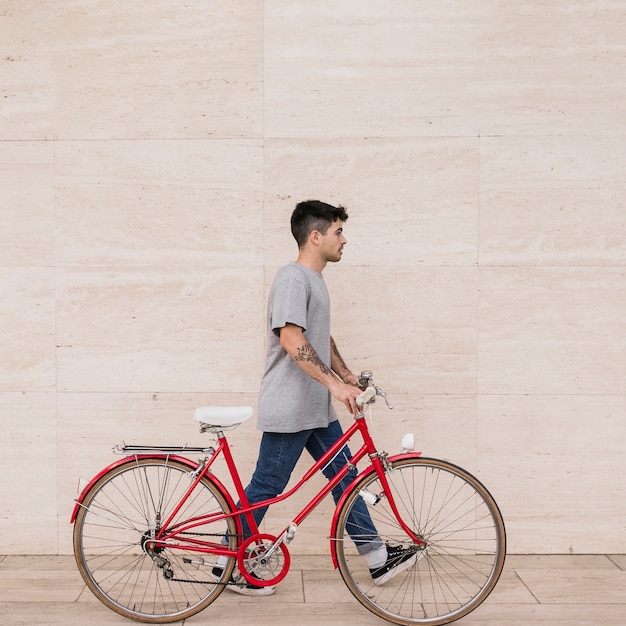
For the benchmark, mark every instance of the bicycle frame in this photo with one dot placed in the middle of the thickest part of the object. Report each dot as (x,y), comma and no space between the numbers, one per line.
(150,563)
(171,536)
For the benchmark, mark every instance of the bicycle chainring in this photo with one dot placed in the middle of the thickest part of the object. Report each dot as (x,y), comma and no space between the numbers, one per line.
(262,562)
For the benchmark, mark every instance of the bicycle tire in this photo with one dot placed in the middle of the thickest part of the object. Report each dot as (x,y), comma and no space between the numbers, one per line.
(465,537)
(112,528)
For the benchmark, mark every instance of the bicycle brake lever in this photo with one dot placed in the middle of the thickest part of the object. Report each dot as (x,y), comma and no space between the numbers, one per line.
(383,394)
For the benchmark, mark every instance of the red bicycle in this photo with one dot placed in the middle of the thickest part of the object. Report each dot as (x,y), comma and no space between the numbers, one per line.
(149,528)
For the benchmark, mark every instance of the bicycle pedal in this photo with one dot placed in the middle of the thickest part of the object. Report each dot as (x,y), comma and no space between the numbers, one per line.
(201,562)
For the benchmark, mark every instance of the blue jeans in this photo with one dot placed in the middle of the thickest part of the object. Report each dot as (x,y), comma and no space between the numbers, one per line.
(278,455)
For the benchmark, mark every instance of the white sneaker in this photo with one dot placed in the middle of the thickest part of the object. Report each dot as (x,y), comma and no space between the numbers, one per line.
(240,585)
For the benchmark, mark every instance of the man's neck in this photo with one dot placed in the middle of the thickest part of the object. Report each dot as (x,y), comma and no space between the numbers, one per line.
(311,261)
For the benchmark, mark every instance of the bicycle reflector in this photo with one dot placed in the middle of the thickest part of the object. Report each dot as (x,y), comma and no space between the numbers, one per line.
(408,443)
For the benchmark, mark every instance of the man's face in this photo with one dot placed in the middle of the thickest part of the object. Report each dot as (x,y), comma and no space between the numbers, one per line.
(332,242)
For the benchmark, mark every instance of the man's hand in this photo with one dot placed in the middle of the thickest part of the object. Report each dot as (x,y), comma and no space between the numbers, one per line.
(346,393)
(351,379)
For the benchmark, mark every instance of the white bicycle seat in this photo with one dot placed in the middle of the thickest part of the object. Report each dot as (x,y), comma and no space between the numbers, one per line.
(216,418)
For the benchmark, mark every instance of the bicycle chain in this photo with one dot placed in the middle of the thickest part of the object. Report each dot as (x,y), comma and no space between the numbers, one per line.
(203,582)
(199,582)
(208,534)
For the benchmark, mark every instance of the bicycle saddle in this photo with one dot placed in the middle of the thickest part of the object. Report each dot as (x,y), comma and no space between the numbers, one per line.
(216,418)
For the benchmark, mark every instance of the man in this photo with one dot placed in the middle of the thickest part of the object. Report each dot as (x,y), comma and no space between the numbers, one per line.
(303,372)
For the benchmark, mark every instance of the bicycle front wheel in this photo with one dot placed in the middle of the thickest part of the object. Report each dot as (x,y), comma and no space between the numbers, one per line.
(112,531)
(463,530)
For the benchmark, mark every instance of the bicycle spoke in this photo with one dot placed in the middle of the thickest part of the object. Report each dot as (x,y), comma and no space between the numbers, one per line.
(464,535)
(118,518)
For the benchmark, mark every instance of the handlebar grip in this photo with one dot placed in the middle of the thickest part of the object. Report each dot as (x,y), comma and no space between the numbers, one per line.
(366,396)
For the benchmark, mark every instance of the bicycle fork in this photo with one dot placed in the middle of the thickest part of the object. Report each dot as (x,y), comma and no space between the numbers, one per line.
(383,466)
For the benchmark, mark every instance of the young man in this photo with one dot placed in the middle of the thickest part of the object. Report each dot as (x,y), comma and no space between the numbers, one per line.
(303,372)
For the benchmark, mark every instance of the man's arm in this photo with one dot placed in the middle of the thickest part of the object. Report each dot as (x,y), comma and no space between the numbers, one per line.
(294,342)
(338,365)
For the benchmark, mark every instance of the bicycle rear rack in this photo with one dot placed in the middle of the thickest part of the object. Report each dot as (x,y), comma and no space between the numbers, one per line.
(123,448)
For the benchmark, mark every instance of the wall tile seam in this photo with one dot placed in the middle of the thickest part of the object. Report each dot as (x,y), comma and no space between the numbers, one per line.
(246,266)
(445,136)
(109,139)
(553,266)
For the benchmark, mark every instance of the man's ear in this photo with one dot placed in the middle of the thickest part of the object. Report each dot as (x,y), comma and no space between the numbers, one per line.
(314,237)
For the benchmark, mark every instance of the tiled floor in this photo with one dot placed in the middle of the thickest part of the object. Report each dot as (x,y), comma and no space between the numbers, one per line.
(533,590)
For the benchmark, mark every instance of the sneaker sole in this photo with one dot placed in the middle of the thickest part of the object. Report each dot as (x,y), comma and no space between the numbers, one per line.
(246,591)
(258,592)
(397,570)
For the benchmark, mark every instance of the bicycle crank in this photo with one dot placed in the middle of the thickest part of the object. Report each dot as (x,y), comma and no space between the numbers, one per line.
(263,560)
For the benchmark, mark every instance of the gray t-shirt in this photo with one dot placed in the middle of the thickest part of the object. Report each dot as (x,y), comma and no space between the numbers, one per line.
(289,399)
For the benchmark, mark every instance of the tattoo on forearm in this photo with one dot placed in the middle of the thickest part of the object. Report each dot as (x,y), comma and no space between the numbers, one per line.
(307,353)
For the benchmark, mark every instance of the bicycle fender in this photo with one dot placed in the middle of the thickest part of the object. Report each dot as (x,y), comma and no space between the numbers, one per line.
(366,472)
(133,459)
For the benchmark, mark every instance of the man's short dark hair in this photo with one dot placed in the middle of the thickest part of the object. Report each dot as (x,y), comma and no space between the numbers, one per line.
(314,215)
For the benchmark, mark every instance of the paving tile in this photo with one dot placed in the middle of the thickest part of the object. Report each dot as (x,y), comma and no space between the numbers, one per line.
(550,590)
(618,559)
(42,562)
(561,561)
(327,586)
(545,615)
(576,587)
(273,613)
(33,585)
(58,614)
(269,612)
(511,590)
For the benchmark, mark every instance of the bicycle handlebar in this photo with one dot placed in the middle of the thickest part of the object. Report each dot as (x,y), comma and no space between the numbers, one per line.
(366,397)
(371,391)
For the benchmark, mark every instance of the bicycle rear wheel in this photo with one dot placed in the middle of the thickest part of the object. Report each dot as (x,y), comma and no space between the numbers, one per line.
(111,541)
(465,543)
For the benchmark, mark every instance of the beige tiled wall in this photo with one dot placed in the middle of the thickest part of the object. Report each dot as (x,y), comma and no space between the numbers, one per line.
(151,154)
